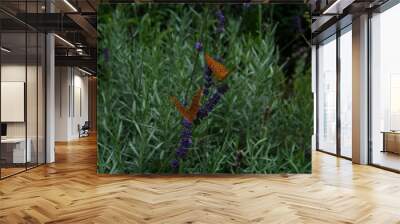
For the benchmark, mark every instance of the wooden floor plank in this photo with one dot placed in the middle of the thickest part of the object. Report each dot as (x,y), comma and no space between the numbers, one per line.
(70,191)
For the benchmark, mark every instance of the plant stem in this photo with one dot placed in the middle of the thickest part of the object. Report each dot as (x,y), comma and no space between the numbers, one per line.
(305,40)
(196,58)
(191,77)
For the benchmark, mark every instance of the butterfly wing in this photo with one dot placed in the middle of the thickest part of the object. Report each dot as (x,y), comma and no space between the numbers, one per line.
(219,70)
(195,105)
(180,107)
(191,113)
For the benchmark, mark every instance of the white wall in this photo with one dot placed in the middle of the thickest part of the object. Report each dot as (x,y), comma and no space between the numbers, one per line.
(9,73)
(62,81)
(16,72)
(80,109)
(71,94)
(33,127)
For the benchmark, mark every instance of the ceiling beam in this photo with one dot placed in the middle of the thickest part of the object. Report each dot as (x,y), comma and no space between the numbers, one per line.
(90,31)
(209,1)
(49,22)
(82,61)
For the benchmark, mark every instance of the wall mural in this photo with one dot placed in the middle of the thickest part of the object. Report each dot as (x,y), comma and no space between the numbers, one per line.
(204,89)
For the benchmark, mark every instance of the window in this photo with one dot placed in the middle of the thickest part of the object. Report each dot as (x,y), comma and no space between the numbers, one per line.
(327,95)
(22,77)
(385,88)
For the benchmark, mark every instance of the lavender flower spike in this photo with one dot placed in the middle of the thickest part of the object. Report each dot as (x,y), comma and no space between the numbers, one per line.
(222,89)
(208,82)
(220,16)
(212,102)
(186,139)
(175,164)
(187,124)
(221,21)
(198,46)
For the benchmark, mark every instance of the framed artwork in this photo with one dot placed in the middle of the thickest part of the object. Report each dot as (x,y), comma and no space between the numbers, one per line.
(204,89)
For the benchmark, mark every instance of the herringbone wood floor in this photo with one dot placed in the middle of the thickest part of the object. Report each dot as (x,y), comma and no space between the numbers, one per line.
(70,191)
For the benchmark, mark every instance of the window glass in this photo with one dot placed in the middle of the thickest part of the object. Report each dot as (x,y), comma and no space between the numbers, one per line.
(22,91)
(327,96)
(385,88)
(15,150)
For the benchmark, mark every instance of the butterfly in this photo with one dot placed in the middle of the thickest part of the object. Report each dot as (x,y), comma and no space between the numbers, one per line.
(219,70)
(191,113)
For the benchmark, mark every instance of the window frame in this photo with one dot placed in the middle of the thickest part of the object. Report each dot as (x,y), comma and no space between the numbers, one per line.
(339,32)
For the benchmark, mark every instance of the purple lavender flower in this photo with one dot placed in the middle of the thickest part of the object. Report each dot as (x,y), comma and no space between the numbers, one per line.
(223,88)
(221,21)
(212,102)
(202,113)
(207,80)
(186,142)
(220,15)
(187,124)
(174,164)
(198,46)
(186,139)
(181,152)
(186,133)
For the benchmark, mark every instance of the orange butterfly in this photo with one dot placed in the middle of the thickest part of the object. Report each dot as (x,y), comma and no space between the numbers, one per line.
(191,113)
(219,70)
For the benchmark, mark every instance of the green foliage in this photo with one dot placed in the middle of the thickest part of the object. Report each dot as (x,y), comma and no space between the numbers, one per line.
(263,124)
